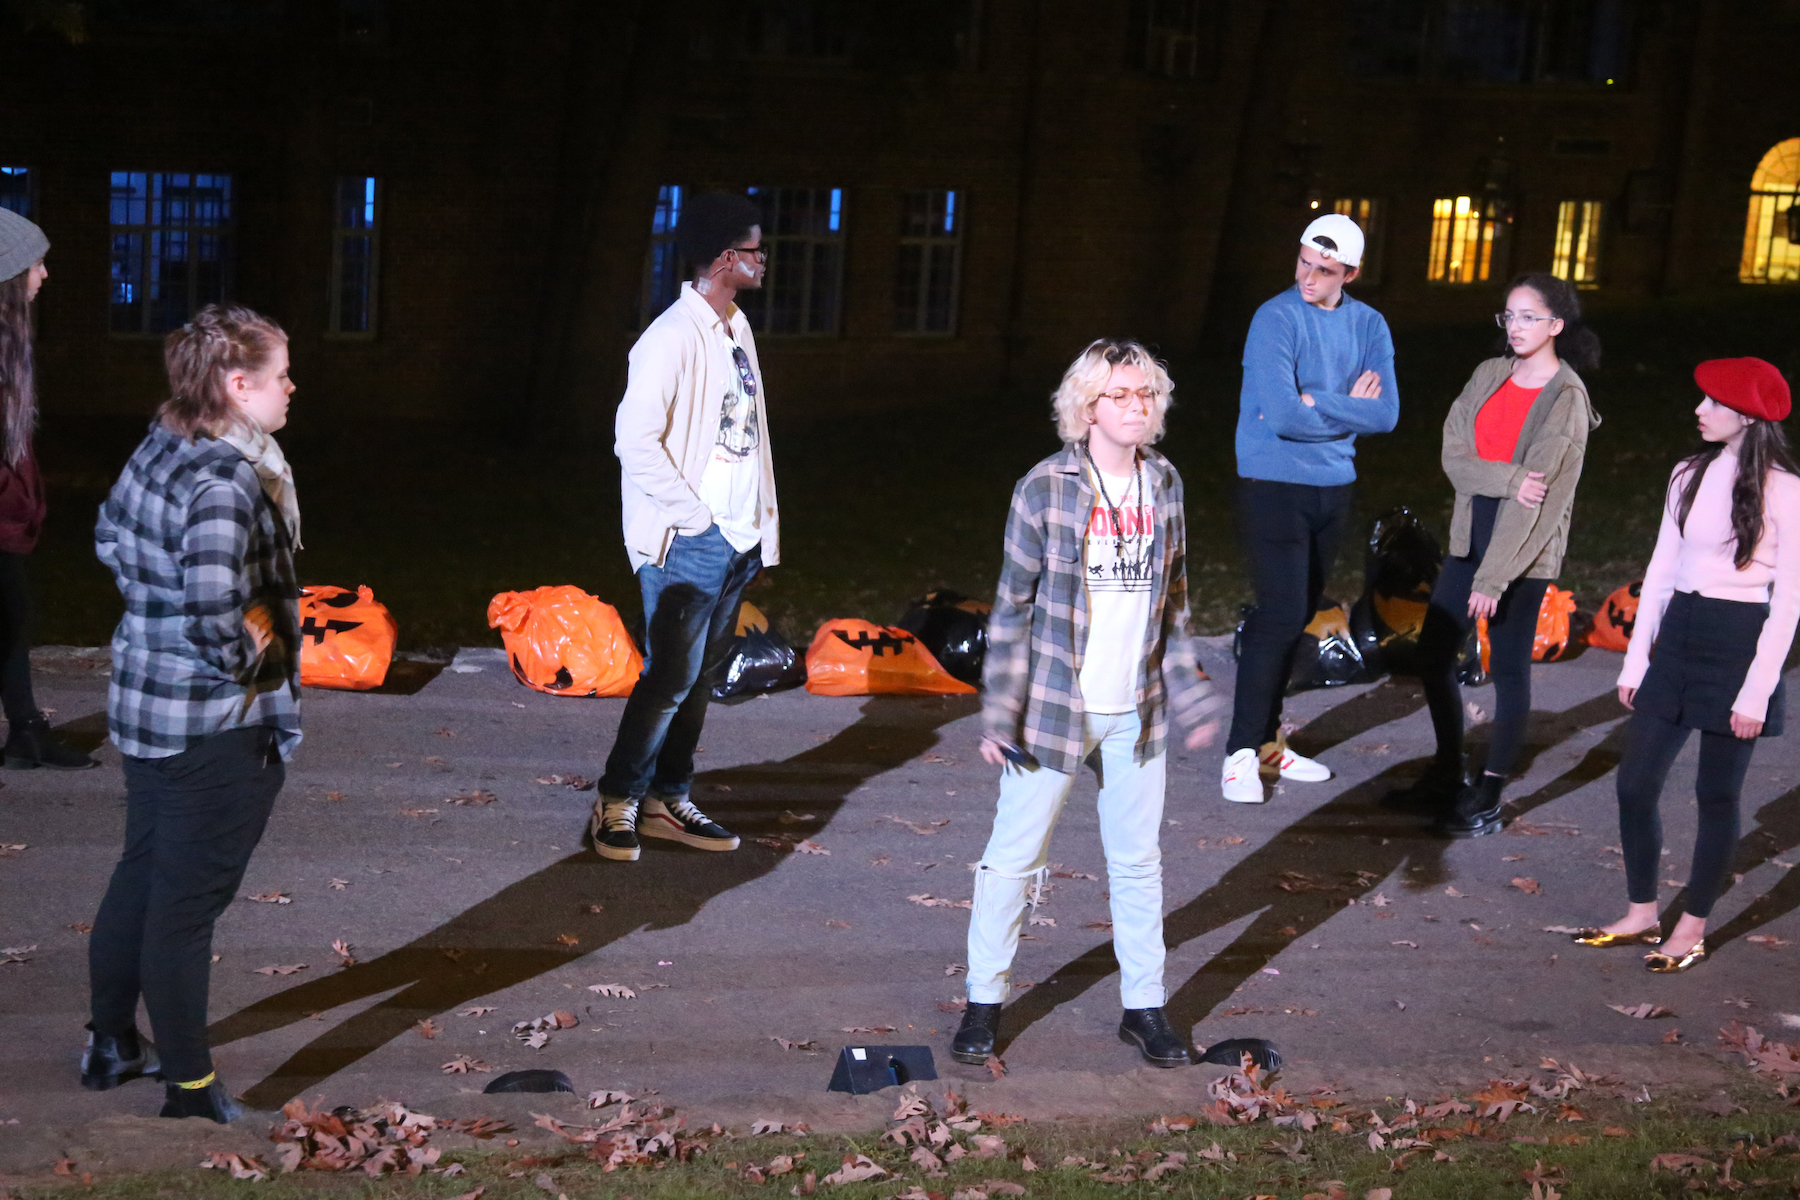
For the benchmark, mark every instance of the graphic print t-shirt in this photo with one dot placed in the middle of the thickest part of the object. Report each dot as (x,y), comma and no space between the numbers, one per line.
(731,485)
(1118,587)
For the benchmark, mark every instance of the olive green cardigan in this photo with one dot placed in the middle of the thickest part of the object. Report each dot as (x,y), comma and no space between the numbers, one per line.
(1527,542)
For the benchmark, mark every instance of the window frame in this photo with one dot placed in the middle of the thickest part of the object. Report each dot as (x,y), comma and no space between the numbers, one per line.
(662,254)
(1491,222)
(1578,251)
(1372,219)
(341,233)
(31,173)
(1763,215)
(785,248)
(225,232)
(925,243)
(1142,35)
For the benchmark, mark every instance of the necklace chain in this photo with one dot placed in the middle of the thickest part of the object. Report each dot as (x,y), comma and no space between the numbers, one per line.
(1137,477)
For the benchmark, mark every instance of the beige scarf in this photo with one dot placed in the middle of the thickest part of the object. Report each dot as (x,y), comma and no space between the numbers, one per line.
(261,451)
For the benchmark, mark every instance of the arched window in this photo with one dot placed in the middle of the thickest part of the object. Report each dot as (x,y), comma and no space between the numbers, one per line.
(1772,228)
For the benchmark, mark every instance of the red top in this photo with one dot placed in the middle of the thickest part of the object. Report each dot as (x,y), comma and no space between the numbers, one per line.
(1498,423)
(21,505)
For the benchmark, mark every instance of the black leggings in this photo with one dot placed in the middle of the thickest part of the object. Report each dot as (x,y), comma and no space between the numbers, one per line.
(1652,744)
(1511,632)
(1291,533)
(15,637)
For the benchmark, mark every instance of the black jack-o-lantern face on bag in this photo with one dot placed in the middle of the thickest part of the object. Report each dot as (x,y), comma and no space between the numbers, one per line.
(346,638)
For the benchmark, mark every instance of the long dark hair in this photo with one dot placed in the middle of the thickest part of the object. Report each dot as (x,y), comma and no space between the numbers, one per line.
(18,387)
(1576,345)
(1764,448)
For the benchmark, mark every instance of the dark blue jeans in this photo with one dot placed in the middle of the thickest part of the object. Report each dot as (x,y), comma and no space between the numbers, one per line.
(690,613)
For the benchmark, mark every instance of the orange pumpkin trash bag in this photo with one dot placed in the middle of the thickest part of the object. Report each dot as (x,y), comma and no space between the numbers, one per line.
(1551,641)
(565,642)
(1616,619)
(861,658)
(346,638)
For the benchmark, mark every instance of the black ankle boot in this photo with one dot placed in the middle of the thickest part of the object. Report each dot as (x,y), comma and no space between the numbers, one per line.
(211,1102)
(974,1041)
(29,743)
(109,1061)
(1476,812)
(1434,791)
(1148,1029)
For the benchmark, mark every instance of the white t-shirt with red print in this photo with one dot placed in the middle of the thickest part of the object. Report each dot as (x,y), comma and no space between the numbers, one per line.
(1117,564)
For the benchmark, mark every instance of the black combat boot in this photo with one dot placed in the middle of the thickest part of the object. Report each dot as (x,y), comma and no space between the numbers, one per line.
(974,1041)
(109,1061)
(1476,812)
(1148,1029)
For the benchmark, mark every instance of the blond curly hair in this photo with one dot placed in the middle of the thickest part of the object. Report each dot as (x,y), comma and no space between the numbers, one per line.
(1087,377)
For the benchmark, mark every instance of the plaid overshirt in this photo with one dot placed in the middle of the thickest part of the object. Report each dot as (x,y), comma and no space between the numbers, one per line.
(1038,632)
(193,542)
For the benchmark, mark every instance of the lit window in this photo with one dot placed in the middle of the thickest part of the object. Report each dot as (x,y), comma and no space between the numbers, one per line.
(662,264)
(1577,254)
(930,266)
(1368,214)
(1772,228)
(1463,234)
(355,244)
(16,187)
(171,247)
(803,229)
(1171,38)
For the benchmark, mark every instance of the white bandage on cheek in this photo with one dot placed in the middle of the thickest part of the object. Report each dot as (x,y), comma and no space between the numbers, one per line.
(746,268)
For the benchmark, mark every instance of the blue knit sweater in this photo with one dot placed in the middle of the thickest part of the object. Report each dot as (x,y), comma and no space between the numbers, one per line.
(1297,347)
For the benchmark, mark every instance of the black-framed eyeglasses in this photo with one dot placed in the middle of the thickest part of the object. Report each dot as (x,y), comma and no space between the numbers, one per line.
(761,252)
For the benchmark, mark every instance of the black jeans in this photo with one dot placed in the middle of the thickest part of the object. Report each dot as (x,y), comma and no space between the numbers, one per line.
(16,612)
(1291,533)
(1511,632)
(191,822)
(1653,742)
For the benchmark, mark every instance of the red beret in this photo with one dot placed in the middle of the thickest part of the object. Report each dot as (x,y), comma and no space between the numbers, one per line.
(1749,385)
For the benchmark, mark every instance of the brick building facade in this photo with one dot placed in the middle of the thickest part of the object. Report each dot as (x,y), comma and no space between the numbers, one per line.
(453,212)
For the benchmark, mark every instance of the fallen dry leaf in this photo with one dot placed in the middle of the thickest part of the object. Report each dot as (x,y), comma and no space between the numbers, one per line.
(1049,921)
(922,828)
(869,1029)
(281,970)
(416,812)
(927,900)
(1768,942)
(345,952)
(604,1097)
(567,939)
(618,990)
(471,798)
(462,1064)
(1451,891)
(855,1169)
(788,1044)
(808,846)
(1101,925)
(81,927)
(1529,886)
(996,1066)
(272,898)
(338,885)
(837,924)
(478,1011)
(1642,1012)
(239,1166)
(427,1029)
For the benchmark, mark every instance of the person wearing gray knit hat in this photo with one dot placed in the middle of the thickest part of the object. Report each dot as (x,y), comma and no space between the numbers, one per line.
(22,244)
(29,740)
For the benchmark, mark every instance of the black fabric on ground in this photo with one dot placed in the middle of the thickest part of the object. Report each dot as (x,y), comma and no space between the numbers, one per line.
(1651,746)
(16,612)
(191,823)
(1291,533)
(1511,632)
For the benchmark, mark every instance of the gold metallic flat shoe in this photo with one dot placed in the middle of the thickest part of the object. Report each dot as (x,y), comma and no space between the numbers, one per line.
(1663,964)
(1597,937)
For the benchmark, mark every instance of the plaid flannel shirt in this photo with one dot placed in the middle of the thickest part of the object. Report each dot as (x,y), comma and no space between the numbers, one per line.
(1038,632)
(193,542)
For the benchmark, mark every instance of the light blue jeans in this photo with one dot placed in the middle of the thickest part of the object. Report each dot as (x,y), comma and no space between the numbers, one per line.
(1031,799)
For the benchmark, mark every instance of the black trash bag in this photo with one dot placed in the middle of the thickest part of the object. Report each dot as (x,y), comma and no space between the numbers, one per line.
(1230,1052)
(954,628)
(1399,570)
(533,1080)
(761,659)
(1329,653)
(1469,669)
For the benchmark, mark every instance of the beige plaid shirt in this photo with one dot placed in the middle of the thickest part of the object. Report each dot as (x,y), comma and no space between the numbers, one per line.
(1038,632)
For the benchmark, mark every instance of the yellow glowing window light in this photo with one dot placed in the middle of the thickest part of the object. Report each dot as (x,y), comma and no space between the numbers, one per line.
(1462,240)
(1771,253)
(1576,256)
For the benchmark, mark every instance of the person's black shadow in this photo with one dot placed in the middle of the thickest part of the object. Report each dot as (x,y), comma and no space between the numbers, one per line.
(1304,875)
(1778,830)
(512,936)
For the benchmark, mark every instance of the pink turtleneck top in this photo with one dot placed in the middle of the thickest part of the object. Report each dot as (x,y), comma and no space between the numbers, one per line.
(1701,560)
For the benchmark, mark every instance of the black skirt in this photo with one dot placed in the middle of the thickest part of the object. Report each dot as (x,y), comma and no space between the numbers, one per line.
(1703,651)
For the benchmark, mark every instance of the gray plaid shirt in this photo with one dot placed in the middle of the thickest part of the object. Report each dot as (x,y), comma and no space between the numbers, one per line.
(193,542)
(1038,632)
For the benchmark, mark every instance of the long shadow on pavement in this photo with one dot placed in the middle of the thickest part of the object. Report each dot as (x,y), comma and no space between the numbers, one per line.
(511,936)
(1305,874)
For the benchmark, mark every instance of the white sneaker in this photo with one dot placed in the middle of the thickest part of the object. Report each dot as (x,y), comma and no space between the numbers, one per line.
(1293,766)
(1242,782)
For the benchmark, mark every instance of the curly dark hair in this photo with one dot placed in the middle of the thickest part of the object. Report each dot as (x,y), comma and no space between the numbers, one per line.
(1576,345)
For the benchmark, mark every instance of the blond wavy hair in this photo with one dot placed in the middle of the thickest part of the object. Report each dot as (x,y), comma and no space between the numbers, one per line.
(1087,377)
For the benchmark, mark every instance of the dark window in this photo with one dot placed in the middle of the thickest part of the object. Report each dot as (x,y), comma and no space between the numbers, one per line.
(662,265)
(18,191)
(795,29)
(803,229)
(1490,41)
(930,265)
(356,242)
(171,247)
(1175,39)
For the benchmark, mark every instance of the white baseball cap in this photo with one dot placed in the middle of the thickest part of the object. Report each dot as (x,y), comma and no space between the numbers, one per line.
(1335,236)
